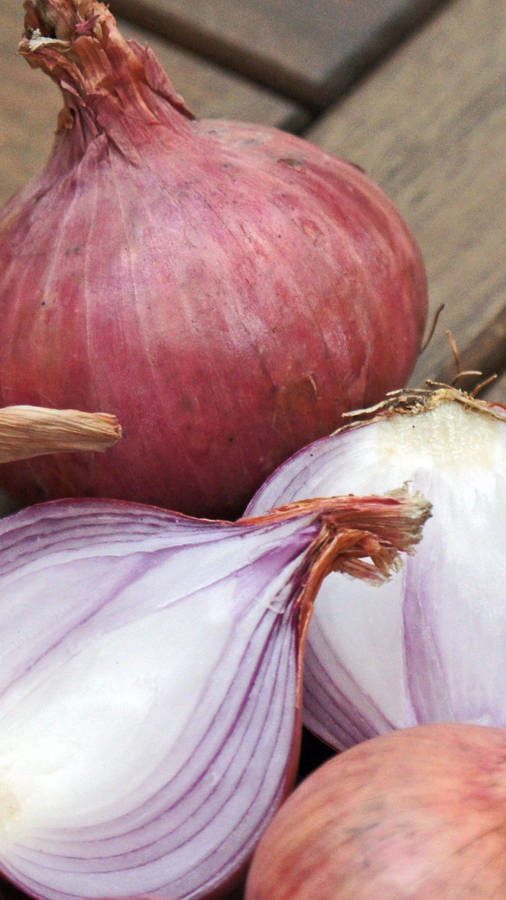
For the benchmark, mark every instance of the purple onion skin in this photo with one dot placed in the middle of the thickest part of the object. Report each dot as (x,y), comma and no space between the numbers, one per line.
(227,290)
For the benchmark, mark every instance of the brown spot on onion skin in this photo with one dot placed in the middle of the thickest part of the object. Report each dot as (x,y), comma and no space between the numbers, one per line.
(297,164)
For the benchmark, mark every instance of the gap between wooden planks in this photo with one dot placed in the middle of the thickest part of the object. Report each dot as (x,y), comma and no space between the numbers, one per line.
(309,50)
(30,102)
(429,126)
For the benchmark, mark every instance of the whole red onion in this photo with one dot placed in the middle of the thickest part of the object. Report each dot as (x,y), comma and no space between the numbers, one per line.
(225,289)
(415,814)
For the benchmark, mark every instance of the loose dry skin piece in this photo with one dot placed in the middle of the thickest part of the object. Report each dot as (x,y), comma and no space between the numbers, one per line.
(27,431)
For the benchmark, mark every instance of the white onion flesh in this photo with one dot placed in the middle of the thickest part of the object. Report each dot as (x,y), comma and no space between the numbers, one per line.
(148,687)
(93,765)
(431,644)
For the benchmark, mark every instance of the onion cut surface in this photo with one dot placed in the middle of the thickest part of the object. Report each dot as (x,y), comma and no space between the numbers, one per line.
(149,684)
(432,645)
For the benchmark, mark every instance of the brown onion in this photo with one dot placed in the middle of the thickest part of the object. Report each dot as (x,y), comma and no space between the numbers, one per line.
(415,814)
(225,289)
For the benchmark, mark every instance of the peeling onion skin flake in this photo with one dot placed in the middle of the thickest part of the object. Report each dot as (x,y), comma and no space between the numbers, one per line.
(434,648)
(150,684)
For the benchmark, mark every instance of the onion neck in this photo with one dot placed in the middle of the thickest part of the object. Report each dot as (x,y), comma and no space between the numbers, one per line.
(110,86)
(359,536)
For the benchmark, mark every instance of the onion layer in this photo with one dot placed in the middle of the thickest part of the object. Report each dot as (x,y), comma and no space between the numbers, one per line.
(432,645)
(225,289)
(415,814)
(150,684)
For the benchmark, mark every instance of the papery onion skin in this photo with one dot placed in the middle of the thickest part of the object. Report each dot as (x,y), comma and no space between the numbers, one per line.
(227,290)
(430,645)
(27,431)
(415,814)
(150,684)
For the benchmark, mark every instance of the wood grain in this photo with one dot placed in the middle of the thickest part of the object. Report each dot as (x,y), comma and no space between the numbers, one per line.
(211,91)
(310,50)
(29,101)
(29,104)
(429,126)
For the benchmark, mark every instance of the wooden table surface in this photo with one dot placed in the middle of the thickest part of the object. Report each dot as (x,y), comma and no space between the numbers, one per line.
(411,90)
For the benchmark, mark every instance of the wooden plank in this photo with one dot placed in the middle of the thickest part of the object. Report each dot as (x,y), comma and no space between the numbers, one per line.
(429,126)
(29,104)
(211,91)
(496,393)
(29,101)
(310,50)
(484,352)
